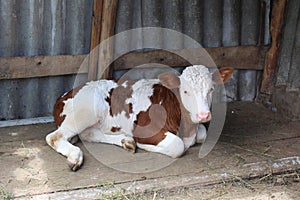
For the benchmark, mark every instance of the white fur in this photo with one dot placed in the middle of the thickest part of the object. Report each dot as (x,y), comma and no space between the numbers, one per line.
(172,146)
(201,134)
(84,110)
(88,106)
(195,86)
(125,84)
(95,135)
(120,120)
(64,147)
(199,78)
(142,91)
(189,141)
(198,137)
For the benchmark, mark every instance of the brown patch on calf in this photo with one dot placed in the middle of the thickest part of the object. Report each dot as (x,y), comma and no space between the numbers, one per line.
(59,105)
(130,108)
(169,80)
(117,98)
(115,129)
(187,126)
(165,98)
(54,138)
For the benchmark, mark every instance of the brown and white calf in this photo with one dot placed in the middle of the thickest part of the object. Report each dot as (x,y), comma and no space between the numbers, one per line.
(145,113)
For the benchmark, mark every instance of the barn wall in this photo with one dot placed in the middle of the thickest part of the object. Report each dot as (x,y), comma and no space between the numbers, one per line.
(40,27)
(287,90)
(212,23)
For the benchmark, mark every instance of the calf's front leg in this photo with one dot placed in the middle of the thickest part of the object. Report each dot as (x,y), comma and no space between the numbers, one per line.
(201,134)
(171,146)
(195,135)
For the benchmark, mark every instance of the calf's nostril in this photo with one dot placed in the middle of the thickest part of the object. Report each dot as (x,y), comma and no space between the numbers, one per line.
(203,116)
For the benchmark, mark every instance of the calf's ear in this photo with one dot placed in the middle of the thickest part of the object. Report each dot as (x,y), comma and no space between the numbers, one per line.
(169,80)
(222,75)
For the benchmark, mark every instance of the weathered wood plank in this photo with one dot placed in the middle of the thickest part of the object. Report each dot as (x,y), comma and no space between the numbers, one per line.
(239,57)
(242,57)
(107,30)
(272,54)
(95,39)
(104,14)
(40,66)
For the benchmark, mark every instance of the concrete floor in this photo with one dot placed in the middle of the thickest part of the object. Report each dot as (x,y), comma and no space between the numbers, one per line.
(255,143)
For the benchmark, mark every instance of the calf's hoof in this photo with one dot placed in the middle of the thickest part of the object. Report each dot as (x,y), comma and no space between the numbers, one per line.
(129,145)
(73,166)
(75,159)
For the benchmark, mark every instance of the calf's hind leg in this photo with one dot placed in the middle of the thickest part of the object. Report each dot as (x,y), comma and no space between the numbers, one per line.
(95,135)
(59,141)
(75,122)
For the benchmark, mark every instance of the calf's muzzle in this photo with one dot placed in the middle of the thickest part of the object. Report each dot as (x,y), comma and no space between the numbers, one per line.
(203,117)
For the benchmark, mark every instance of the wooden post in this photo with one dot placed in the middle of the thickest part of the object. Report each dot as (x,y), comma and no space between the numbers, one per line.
(103,24)
(272,54)
(95,39)
(107,30)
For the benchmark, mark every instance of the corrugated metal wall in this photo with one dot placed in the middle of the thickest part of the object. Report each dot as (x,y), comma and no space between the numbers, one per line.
(286,94)
(40,27)
(289,57)
(213,23)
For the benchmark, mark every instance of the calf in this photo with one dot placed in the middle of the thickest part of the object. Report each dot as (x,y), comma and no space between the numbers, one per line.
(147,113)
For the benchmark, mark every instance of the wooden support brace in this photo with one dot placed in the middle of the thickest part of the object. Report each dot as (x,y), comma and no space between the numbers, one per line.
(272,54)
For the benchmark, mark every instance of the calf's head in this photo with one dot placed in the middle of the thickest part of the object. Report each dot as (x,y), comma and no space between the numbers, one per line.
(196,85)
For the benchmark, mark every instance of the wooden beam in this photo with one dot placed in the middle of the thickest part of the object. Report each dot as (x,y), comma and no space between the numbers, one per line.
(239,57)
(95,39)
(40,66)
(278,10)
(107,30)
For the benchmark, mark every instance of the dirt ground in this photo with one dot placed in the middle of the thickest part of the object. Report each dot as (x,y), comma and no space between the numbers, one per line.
(278,187)
(256,157)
